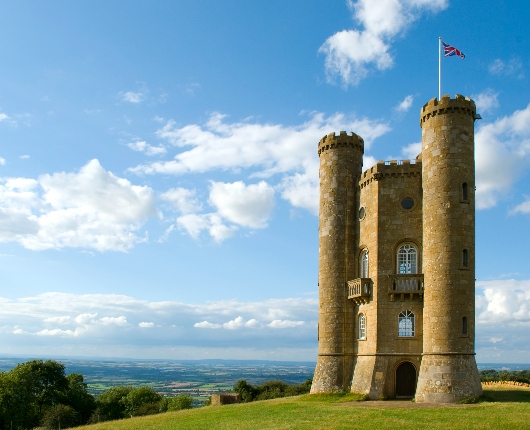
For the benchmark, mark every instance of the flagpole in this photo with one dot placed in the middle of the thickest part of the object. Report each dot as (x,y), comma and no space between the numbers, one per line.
(439,68)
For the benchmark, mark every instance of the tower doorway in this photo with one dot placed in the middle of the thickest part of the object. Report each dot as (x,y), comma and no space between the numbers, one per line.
(406,380)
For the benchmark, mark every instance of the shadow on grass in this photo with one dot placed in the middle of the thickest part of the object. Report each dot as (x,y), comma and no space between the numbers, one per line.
(506,395)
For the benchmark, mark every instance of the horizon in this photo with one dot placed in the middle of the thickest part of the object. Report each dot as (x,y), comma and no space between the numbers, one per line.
(159,167)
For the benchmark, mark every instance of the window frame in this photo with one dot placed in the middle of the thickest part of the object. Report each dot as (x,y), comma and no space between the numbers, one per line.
(361,324)
(407,260)
(409,330)
(364,264)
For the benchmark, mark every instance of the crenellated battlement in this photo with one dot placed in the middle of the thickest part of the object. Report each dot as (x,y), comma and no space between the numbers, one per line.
(332,141)
(392,168)
(459,105)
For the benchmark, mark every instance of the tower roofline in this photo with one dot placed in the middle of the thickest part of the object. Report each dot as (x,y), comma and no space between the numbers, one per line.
(460,104)
(333,140)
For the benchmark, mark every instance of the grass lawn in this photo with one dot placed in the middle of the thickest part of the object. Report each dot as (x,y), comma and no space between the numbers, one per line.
(503,408)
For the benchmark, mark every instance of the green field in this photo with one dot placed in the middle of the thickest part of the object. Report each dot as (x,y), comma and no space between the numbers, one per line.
(502,408)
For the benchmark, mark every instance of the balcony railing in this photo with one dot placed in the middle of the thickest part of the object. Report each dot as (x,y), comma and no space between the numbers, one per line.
(359,290)
(406,285)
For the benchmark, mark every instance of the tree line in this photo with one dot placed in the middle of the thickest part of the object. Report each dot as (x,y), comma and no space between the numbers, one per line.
(39,393)
(492,375)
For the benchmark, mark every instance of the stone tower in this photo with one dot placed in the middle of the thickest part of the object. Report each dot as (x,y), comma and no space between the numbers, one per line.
(448,370)
(397,264)
(340,168)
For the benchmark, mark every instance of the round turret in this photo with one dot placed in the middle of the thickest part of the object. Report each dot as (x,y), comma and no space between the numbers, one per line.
(448,370)
(340,169)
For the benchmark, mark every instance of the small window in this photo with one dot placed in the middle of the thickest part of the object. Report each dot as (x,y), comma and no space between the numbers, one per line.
(464,325)
(362,326)
(407,259)
(362,213)
(465,258)
(406,324)
(363,264)
(407,203)
(465,192)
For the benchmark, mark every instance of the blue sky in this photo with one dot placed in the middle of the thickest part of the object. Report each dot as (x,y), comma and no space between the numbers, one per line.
(159,174)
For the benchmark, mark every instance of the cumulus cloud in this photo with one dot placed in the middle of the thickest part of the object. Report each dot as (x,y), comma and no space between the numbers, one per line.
(523,208)
(246,205)
(502,151)
(285,324)
(91,208)
(2,161)
(182,200)
(507,68)
(144,324)
(132,97)
(271,150)
(142,146)
(405,104)
(486,100)
(411,151)
(352,54)
(194,224)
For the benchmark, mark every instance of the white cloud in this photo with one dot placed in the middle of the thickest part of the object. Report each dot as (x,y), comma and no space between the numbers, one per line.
(59,320)
(271,150)
(246,205)
(206,324)
(502,151)
(406,104)
(240,322)
(523,208)
(507,302)
(142,146)
(285,324)
(86,318)
(119,321)
(411,151)
(146,324)
(91,209)
(194,224)
(24,157)
(510,68)
(486,100)
(351,54)
(132,97)
(182,200)
(57,332)
(3,117)
(2,161)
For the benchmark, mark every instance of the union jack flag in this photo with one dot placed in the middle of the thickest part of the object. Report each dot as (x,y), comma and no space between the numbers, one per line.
(451,50)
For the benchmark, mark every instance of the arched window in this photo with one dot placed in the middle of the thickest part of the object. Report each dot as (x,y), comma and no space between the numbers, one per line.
(406,324)
(363,264)
(362,326)
(407,259)
(464,325)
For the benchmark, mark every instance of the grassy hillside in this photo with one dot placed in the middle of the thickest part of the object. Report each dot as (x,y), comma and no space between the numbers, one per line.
(505,408)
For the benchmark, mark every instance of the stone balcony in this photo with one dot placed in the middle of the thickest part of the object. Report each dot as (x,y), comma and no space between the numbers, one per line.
(360,290)
(409,285)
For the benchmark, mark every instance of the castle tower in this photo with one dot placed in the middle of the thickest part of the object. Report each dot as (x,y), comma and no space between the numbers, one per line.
(340,168)
(448,371)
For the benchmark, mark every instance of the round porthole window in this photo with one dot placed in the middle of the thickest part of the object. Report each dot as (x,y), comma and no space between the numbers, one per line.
(407,203)
(362,213)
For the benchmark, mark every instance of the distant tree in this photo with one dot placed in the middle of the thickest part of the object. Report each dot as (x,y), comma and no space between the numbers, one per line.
(246,390)
(109,404)
(182,401)
(79,398)
(270,390)
(59,417)
(139,397)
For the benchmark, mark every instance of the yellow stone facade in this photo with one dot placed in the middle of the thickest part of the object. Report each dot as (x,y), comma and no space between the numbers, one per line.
(396,264)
